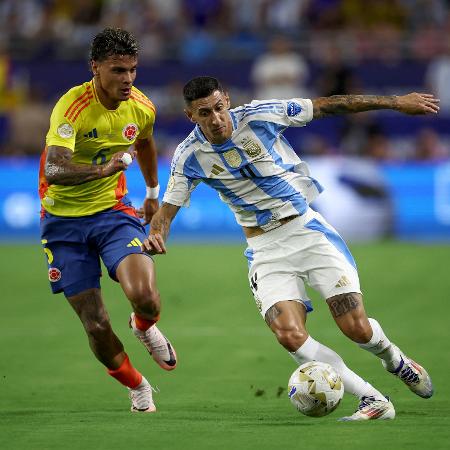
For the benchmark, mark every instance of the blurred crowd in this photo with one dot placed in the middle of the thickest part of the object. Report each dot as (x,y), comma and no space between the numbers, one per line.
(292,48)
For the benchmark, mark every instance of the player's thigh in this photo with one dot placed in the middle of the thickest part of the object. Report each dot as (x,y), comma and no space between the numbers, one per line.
(121,235)
(327,263)
(272,277)
(136,272)
(73,265)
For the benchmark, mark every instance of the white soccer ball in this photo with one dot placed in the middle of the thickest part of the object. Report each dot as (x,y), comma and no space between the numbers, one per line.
(126,159)
(315,389)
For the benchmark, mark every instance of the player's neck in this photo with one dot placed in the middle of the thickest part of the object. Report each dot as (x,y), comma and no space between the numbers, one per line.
(104,99)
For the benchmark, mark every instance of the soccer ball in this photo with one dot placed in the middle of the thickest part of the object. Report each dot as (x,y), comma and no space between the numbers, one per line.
(315,389)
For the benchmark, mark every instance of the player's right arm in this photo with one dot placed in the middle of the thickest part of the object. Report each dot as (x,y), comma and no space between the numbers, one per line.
(60,169)
(159,229)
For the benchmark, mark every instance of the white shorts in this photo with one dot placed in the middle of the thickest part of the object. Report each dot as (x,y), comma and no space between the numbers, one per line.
(305,250)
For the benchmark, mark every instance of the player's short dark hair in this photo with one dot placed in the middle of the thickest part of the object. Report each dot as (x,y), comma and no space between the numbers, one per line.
(113,41)
(200,87)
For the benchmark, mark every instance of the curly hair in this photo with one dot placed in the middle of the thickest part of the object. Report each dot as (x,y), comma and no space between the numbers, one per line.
(200,87)
(113,41)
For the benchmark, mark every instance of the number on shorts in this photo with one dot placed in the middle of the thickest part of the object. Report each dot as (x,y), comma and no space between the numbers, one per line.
(47,251)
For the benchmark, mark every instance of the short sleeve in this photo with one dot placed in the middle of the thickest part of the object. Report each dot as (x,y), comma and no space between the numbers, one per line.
(298,111)
(295,112)
(147,131)
(148,113)
(61,132)
(179,189)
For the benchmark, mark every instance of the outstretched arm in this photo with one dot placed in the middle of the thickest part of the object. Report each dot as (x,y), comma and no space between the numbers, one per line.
(413,103)
(159,229)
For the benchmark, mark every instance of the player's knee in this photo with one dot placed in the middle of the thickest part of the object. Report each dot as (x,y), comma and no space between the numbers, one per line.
(291,339)
(145,299)
(98,328)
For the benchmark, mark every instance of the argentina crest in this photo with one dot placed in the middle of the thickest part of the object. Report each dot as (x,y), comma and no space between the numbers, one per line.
(233,158)
(251,147)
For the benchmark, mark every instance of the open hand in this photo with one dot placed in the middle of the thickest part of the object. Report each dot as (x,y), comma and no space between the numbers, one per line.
(416,103)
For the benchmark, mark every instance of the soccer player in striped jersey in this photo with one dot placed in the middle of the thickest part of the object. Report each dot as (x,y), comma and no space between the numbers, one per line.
(242,154)
(86,215)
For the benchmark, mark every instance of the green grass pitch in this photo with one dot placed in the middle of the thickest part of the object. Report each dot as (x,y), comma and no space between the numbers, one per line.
(229,390)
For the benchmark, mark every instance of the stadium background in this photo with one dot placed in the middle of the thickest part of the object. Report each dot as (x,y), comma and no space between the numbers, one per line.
(387,180)
(390,168)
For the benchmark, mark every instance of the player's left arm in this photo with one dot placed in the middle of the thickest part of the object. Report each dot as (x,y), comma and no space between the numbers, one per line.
(413,103)
(146,154)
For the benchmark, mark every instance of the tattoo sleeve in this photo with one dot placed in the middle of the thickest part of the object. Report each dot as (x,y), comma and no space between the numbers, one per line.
(59,168)
(347,104)
(162,220)
(272,313)
(342,304)
(161,225)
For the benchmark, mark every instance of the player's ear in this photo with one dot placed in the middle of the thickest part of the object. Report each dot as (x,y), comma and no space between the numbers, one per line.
(188,113)
(94,67)
(227,100)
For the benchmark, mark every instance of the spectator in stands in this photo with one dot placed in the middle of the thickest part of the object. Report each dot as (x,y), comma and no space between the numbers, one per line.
(280,72)
(438,76)
(28,124)
(284,15)
(336,77)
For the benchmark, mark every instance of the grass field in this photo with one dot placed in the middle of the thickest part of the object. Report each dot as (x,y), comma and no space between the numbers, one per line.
(225,394)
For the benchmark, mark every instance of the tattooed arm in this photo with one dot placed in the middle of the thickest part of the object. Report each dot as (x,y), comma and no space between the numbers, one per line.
(413,103)
(59,168)
(159,229)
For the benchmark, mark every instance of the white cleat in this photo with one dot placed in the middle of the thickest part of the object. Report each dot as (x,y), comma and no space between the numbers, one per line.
(371,409)
(141,398)
(156,344)
(413,375)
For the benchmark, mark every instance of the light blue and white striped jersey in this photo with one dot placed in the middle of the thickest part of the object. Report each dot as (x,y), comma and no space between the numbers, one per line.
(256,172)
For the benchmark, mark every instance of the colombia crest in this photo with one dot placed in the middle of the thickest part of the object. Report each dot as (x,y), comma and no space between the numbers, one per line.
(54,274)
(130,131)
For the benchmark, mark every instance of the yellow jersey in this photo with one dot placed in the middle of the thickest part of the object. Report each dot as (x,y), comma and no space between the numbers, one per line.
(81,123)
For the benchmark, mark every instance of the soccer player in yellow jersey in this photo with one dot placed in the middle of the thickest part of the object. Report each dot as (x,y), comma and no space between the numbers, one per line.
(86,214)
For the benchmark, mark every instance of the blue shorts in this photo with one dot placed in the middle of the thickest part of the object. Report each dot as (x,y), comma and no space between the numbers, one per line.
(74,246)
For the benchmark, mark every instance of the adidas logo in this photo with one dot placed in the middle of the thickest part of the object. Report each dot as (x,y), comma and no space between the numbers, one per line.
(91,134)
(135,243)
(343,281)
(216,169)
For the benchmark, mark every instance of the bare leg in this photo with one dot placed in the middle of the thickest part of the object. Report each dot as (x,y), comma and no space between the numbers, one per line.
(105,345)
(350,316)
(287,320)
(136,275)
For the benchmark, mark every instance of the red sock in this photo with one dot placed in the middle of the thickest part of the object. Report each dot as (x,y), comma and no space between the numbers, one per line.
(144,324)
(126,374)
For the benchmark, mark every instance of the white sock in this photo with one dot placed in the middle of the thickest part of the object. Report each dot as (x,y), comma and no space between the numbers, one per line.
(382,347)
(311,350)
